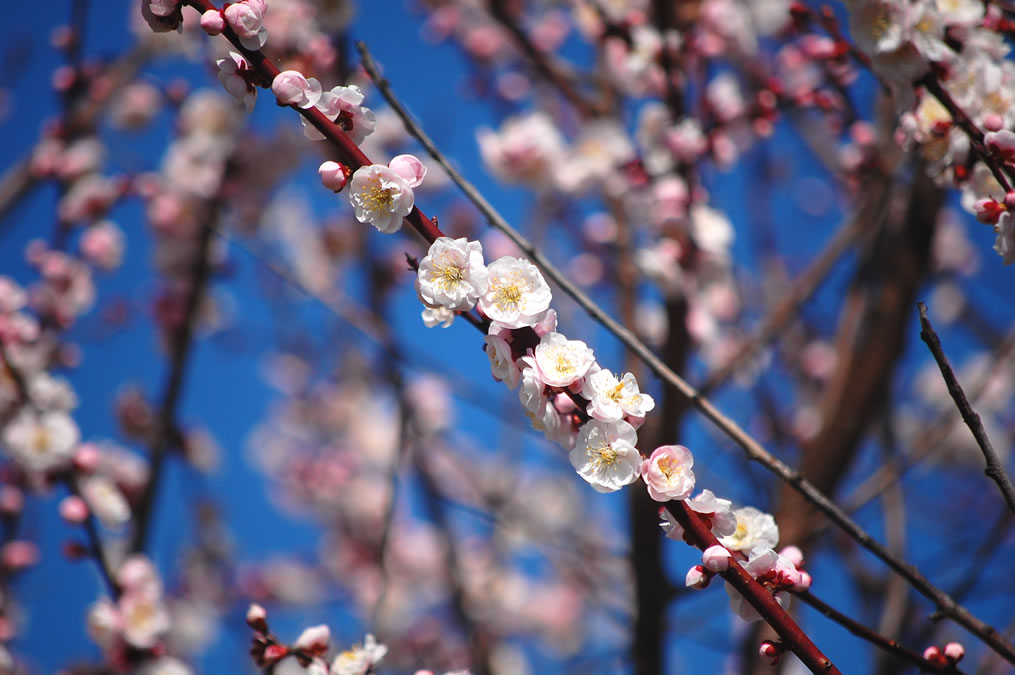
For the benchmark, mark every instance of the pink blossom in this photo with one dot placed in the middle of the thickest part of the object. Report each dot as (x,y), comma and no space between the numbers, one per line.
(212,22)
(234,74)
(19,554)
(409,168)
(292,88)
(667,473)
(102,245)
(697,578)
(716,559)
(560,362)
(333,175)
(502,365)
(246,18)
(954,652)
(257,617)
(343,106)
(73,510)
(163,7)
(1002,143)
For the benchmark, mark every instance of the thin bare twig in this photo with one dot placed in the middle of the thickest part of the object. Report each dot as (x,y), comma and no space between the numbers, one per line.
(995,470)
(945,604)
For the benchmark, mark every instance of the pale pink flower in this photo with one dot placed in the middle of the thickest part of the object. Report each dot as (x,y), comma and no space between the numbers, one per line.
(502,365)
(773,571)
(106,501)
(526,150)
(73,510)
(754,529)
(667,473)
(358,660)
(212,22)
(697,578)
(234,74)
(532,392)
(560,362)
(102,245)
(19,554)
(246,18)
(716,559)
(333,175)
(314,640)
(714,510)
(292,88)
(954,652)
(409,168)
(611,399)
(605,455)
(104,623)
(517,295)
(343,106)
(41,441)
(380,197)
(452,274)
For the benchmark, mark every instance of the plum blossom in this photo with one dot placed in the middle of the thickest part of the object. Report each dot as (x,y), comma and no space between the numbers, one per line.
(292,88)
(754,529)
(667,473)
(314,640)
(605,455)
(359,659)
(716,559)
(333,175)
(611,399)
(103,244)
(342,105)
(437,316)
(516,295)
(502,365)
(409,168)
(526,150)
(246,18)
(106,501)
(776,573)
(1004,242)
(697,578)
(41,442)
(234,74)
(713,509)
(452,274)
(532,392)
(560,362)
(380,197)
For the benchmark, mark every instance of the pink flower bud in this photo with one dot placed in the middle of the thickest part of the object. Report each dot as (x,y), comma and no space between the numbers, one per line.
(697,578)
(257,618)
(291,88)
(409,168)
(333,175)
(716,559)
(954,652)
(163,7)
(934,655)
(87,458)
(74,510)
(993,122)
(314,640)
(803,581)
(212,22)
(771,652)
(988,211)
(794,555)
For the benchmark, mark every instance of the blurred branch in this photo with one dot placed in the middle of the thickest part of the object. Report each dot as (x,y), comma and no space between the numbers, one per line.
(753,449)
(995,470)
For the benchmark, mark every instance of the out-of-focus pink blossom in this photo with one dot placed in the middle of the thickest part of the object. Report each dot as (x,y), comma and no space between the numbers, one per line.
(314,640)
(19,554)
(74,510)
(102,245)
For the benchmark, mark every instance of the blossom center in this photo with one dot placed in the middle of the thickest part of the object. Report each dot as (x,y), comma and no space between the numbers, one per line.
(508,295)
(378,198)
(603,456)
(40,441)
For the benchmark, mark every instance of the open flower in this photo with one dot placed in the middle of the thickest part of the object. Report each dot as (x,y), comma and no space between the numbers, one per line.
(605,455)
(342,105)
(516,295)
(380,197)
(234,74)
(452,274)
(292,88)
(754,529)
(667,473)
(611,399)
(41,442)
(560,362)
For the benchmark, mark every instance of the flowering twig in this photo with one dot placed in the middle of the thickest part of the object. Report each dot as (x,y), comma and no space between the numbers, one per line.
(699,533)
(873,637)
(995,470)
(754,450)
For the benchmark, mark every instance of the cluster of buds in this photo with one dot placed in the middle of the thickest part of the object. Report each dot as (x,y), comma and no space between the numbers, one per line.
(949,655)
(245,18)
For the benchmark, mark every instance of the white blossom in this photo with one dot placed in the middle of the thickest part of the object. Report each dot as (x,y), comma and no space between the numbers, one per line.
(380,197)
(560,362)
(516,294)
(611,399)
(41,442)
(452,274)
(605,455)
(754,528)
(502,365)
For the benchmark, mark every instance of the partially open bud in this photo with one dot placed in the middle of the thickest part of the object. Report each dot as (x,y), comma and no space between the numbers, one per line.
(314,640)
(954,652)
(257,618)
(934,655)
(771,652)
(716,559)
(212,22)
(698,577)
(333,175)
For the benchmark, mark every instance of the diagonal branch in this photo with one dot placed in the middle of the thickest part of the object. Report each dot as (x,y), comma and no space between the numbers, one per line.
(995,470)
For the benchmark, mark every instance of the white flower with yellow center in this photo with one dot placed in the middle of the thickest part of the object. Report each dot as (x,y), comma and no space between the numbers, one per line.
(359,659)
(754,529)
(41,442)
(452,274)
(561,362)
(380,197)
(605,455)
(611,399)
(516,295)
(667,473)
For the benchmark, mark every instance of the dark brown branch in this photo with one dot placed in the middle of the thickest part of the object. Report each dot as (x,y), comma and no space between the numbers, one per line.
(995,470)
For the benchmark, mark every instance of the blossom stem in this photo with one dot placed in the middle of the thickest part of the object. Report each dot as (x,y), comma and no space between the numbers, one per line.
(699,533)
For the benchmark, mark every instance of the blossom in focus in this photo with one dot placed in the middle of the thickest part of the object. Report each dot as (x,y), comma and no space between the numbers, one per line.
(713,509)
(754,529)
(292,88)
(246,18)
(409,168)
(452,274)
(380,197)
(605,455)
(233,73)
(516,295)
(560,362)
(41,442)
(333,175)
(716,559)
(342,105)
(611,399)
(667,473)
(776,573)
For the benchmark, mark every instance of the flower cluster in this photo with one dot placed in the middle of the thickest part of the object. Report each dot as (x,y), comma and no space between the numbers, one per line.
(139,619)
